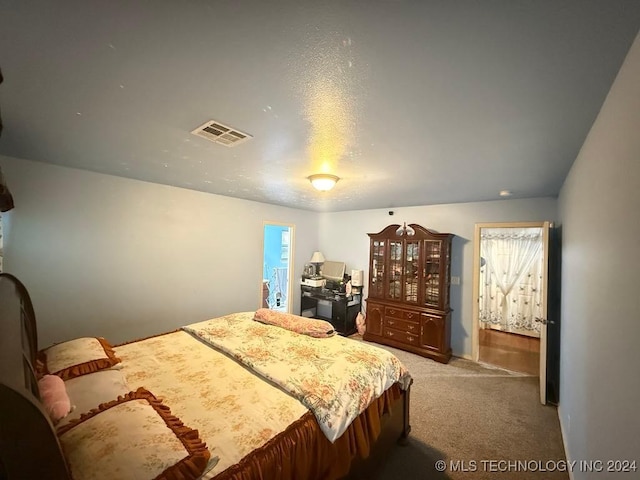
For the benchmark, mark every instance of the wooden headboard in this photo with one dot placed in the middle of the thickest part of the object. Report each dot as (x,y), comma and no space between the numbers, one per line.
(29,446)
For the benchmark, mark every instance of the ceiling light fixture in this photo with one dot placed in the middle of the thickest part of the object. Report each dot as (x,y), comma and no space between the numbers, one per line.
(505,193)
(323,181)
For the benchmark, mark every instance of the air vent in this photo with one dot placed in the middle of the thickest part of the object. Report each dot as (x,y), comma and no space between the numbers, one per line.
(222,134)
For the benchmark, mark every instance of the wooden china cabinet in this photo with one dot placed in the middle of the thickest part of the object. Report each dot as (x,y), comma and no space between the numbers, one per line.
(408,302)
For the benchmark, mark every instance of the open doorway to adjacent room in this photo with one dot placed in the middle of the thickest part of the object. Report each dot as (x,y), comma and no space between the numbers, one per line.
(277,266)
(510,296)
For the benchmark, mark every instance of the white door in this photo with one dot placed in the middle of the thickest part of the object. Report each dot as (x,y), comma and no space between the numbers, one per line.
(545,308)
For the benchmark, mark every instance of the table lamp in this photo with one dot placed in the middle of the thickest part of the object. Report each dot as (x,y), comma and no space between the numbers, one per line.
(317,259)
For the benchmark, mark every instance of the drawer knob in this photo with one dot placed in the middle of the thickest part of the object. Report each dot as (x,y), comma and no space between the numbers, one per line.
(391,322)
(411,327)
(410,339)
(409,315)
(390,334)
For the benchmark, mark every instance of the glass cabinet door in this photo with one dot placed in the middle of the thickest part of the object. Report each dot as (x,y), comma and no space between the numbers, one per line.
(377,268)
(432,272)
(411,271)
(395,271)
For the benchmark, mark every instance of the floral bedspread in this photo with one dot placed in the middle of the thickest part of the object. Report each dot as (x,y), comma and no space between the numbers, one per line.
(234,410)
(336,378)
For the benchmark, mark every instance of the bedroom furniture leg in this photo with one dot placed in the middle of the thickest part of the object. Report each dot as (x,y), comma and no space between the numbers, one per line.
(404,437)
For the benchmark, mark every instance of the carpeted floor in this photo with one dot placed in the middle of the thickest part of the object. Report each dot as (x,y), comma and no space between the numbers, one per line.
(484,423)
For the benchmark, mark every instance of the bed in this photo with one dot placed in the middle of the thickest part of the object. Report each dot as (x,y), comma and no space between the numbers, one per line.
(230,414)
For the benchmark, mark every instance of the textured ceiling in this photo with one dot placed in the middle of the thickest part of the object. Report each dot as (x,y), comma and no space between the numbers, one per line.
(409,102)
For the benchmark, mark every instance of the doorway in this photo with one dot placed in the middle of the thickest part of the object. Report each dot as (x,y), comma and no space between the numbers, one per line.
(510,297)
(275,290)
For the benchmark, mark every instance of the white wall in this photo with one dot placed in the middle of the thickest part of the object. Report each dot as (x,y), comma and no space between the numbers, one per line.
(104,255)
(343,237)
(122,258)
(600,353)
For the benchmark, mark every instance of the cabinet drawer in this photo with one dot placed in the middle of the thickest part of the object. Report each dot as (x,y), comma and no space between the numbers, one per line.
(402,325)
(400,336)
(401,314)
(411,316)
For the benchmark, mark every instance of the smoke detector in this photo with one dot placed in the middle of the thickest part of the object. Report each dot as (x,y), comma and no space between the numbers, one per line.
(219,133)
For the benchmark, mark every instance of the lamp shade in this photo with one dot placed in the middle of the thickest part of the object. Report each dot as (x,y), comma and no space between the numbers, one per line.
(323,181)
(317,257)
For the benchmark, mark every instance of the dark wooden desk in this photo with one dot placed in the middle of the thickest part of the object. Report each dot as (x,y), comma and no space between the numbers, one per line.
(338,309)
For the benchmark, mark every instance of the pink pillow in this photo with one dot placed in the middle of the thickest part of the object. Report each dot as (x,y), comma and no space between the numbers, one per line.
(303,325)
(53,394)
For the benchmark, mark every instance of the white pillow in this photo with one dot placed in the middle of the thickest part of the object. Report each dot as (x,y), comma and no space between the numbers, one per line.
(133,437)
(77,357)
(89,391)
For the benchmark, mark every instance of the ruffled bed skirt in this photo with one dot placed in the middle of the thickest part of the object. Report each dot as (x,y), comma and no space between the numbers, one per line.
(302,451)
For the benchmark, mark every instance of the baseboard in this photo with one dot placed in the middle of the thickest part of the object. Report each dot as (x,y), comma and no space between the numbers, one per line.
(564,443)
(465,356)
